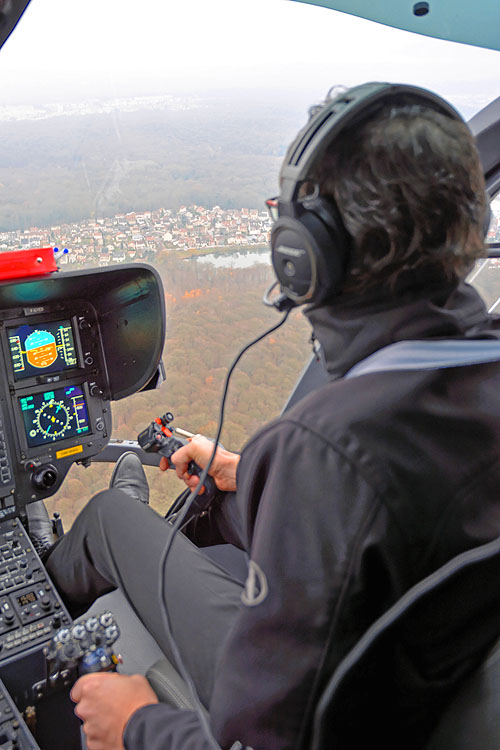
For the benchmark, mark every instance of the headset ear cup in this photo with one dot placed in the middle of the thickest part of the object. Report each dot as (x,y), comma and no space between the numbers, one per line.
(332,251)
(308,256)
(293,259)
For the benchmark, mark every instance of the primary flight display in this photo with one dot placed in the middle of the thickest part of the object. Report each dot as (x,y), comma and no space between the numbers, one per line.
(45,349)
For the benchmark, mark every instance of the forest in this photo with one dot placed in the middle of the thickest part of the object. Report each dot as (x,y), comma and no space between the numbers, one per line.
(69,168)
(211,314)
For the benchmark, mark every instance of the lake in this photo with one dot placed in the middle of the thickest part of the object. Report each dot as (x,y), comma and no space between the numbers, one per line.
(238,259)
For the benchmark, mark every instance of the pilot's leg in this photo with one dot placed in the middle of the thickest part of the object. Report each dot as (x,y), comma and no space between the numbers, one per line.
(119,542)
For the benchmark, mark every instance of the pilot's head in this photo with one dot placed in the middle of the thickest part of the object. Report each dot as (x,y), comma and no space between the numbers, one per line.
(393,202)
(409,186)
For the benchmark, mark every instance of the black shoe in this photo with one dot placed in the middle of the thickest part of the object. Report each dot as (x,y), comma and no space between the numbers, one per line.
(39,527)
(129,477)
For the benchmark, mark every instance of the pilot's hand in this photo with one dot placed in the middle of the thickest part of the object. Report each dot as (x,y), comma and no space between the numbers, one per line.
(199,449)
(105,702)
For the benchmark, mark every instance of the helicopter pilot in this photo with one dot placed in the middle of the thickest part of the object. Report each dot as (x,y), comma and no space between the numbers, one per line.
(352,496)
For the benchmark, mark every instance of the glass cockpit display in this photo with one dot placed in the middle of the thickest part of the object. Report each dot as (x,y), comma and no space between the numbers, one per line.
(54,415)
(36,350)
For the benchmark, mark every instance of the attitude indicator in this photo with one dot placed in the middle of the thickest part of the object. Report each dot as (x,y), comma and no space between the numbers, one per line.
(44,349)
(54,415)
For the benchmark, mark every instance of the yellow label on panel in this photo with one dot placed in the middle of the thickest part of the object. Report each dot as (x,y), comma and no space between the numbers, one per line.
(69,451)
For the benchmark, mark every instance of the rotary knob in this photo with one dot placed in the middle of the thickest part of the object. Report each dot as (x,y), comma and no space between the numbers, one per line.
(78,632)
(107,619)
(44,478)
(64,635)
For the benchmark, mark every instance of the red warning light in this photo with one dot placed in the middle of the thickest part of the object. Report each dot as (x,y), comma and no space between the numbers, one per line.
(20,263)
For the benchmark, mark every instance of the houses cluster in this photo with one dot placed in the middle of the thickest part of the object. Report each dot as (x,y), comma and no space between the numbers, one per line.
(140,235)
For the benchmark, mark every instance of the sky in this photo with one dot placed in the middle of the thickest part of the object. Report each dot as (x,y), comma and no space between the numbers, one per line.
(74,49)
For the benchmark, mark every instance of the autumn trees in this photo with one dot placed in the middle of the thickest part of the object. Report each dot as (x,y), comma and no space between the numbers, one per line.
(210,316)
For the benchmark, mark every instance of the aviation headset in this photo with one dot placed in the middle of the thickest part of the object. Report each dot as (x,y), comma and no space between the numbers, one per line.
(309,244)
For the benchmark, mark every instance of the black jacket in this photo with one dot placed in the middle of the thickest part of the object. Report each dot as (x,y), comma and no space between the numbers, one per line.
(358,492)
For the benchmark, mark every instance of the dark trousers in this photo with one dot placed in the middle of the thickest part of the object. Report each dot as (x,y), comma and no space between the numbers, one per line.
(118,542)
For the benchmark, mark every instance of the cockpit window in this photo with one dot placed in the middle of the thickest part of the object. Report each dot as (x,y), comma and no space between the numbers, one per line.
(486,274)
(493,235)
(153,132)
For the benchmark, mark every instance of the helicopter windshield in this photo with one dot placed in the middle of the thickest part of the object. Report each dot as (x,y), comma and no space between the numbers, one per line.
(154,132)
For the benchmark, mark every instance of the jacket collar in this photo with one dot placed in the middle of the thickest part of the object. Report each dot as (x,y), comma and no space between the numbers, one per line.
(350,331)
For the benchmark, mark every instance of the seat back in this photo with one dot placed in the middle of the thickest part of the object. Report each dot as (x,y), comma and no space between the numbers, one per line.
(472,720)
(395,683)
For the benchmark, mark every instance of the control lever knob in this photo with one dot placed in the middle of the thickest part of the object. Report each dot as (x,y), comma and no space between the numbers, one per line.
(56,621)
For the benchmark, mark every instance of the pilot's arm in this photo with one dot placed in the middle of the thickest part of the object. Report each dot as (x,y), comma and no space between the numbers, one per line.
(222,522)
(314,524)
(199,449)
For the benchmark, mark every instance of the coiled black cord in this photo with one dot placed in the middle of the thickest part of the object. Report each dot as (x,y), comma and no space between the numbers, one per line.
(177,524)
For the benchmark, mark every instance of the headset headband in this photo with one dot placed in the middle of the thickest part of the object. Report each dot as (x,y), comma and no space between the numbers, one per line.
(325,126)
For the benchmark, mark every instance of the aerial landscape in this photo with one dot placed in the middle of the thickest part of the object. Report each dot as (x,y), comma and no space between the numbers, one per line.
(180,185)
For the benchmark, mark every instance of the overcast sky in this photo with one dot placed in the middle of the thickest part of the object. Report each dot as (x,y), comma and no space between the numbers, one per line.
(85,48)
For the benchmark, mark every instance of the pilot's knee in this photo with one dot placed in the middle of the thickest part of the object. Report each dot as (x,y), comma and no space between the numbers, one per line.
(110,502)
(105,510)
(106,501)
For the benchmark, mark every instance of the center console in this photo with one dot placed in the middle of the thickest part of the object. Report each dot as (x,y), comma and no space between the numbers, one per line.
(31,612)
(30,608)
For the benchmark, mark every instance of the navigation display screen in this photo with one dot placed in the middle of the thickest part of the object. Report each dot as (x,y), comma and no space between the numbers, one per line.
(39,350)
(54,415)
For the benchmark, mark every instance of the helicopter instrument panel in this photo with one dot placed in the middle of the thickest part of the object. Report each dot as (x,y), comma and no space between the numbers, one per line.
(54,394)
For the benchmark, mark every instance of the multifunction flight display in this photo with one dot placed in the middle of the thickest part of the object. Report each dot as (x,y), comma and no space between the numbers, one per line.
(54,415)
(45,349)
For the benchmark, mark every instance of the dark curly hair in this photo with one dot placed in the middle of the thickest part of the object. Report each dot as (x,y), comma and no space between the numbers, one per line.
(409,186)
